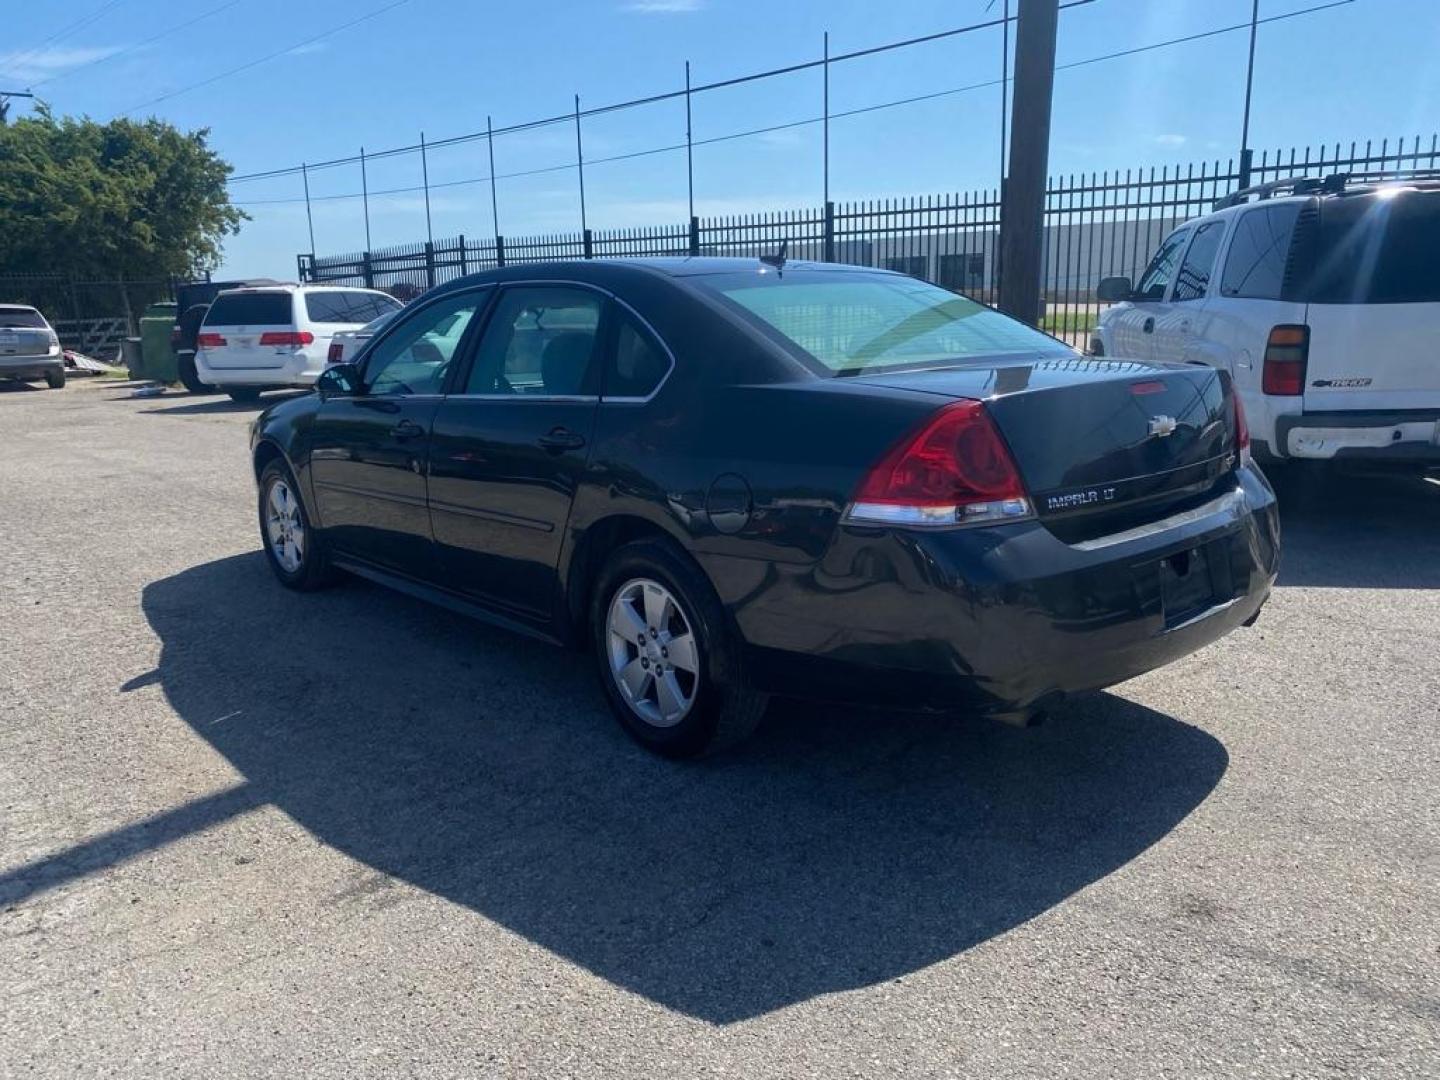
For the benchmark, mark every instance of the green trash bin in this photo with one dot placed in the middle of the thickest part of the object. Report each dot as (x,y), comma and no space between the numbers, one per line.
(159,357)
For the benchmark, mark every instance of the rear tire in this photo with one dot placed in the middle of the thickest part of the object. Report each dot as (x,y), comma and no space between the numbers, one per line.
(189,377)
(293,547)
(677,697)
(243,396)
(55,379)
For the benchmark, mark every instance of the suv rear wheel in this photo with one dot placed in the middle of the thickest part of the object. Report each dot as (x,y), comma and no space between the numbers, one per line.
(669,663)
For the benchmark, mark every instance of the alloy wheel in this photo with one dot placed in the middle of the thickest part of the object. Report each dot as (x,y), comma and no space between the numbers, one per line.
(652,652)
(284,527)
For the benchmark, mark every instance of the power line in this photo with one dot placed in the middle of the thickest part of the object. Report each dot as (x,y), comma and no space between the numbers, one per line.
(266,58)
(861,110)
(65,31)
(137,46)
(671,95)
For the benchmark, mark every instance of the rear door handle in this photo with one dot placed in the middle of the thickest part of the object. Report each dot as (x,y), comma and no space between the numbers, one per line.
(1149,325)
(561,439)
(407,429)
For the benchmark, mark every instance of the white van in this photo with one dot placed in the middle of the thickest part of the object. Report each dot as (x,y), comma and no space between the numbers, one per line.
(1321,298)
(269,337)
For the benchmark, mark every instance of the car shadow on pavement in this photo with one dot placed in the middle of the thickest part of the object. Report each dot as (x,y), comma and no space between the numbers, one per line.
(1355,529)
(837,850)
(213,404)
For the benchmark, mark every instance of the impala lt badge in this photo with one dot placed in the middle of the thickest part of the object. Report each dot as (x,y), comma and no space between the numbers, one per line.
(1163,425)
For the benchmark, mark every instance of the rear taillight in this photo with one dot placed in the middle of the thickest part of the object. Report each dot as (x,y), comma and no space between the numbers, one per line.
(955,470)
(1285,354)
(1242,430)
(335,353)
(290,338)
(210,341)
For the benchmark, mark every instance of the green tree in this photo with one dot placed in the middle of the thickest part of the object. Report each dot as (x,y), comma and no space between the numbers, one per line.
(120,201)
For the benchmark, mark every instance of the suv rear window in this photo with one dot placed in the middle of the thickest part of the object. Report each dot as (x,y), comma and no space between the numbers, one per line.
(26,318)
(250,309)
(346,306)
(1376,249)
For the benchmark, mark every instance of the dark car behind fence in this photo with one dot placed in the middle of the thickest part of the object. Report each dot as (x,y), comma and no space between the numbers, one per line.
(1097,224)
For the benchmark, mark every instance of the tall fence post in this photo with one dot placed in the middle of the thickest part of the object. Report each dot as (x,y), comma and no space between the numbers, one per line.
(829,231)
(300,270)
(499,250)
(694,235)
(463,268)
(589,244)
(1247,160)
(367,270)
(430,264)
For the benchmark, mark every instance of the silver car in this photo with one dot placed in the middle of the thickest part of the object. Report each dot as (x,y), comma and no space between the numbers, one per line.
(29,348)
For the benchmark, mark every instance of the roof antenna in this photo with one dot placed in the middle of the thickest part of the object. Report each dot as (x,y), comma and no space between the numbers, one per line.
(778,259)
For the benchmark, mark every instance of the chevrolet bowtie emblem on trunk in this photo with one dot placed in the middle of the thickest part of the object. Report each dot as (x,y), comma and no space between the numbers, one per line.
(1163,425)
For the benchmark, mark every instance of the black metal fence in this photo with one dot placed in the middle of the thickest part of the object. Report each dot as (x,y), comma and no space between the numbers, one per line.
(1097,225)
(89,316)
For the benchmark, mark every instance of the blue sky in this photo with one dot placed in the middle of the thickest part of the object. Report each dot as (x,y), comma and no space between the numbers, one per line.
(1364,70)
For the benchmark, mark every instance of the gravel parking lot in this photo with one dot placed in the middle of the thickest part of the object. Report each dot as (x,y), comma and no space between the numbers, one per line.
(245,832)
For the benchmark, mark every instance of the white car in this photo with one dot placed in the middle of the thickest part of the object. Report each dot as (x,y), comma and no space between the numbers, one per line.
(29,348)
(1322,300)
(269,337)
(345,344)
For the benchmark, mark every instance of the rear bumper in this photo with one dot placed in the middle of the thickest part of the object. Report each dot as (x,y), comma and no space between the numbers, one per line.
(297,370)
(1004,619)
(31,367)
(1408,435)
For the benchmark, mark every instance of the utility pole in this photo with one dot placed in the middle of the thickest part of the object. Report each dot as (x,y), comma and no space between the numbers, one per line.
(1245,152)
(1022,200)
(5,96)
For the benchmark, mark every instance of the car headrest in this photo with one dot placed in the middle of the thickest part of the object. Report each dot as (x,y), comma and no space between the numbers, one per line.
(563,364)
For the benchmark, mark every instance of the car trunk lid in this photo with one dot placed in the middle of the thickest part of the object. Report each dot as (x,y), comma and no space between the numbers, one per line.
(1100,445)
(24,341)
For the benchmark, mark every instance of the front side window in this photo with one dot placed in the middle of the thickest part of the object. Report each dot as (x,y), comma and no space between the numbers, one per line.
(1255,263)
(1162,267)
(852,323)
(540,341)
(1193,281)
(416,355)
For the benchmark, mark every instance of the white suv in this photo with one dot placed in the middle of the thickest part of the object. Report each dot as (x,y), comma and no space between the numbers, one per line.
(270,337)
(1322,300)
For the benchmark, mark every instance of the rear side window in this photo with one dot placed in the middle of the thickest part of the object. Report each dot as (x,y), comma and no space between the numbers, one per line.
(1376,249)
(21,319)
(250,309)
(1193,281)
(347,306)
(1255,264)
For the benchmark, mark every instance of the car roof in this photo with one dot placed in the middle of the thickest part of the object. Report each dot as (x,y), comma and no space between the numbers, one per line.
(19,307)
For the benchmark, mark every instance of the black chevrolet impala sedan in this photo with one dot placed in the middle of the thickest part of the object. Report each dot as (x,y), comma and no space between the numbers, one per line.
(731,478)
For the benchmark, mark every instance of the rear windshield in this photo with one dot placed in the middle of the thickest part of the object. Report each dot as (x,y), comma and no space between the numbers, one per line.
(851,323)
(1377,249)
(26,318)
(250,309)
(347,306)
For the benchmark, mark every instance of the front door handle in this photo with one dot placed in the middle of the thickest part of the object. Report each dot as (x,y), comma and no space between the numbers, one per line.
(407,429)
(560,439)
(1149,325)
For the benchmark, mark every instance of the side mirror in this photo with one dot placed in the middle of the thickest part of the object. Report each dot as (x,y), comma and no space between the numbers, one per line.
(1112,290)
(339,379)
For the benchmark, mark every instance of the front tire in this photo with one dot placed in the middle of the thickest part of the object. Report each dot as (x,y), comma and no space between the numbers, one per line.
(55,379)
(293,547)
(670,666)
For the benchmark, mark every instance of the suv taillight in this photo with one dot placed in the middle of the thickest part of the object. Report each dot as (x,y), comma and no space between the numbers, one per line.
(210,341)
(335,353)
(955,470)
(291,338)
(1286,352)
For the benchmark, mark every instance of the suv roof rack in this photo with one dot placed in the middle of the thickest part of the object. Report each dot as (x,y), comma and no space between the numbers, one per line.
(1334,184)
